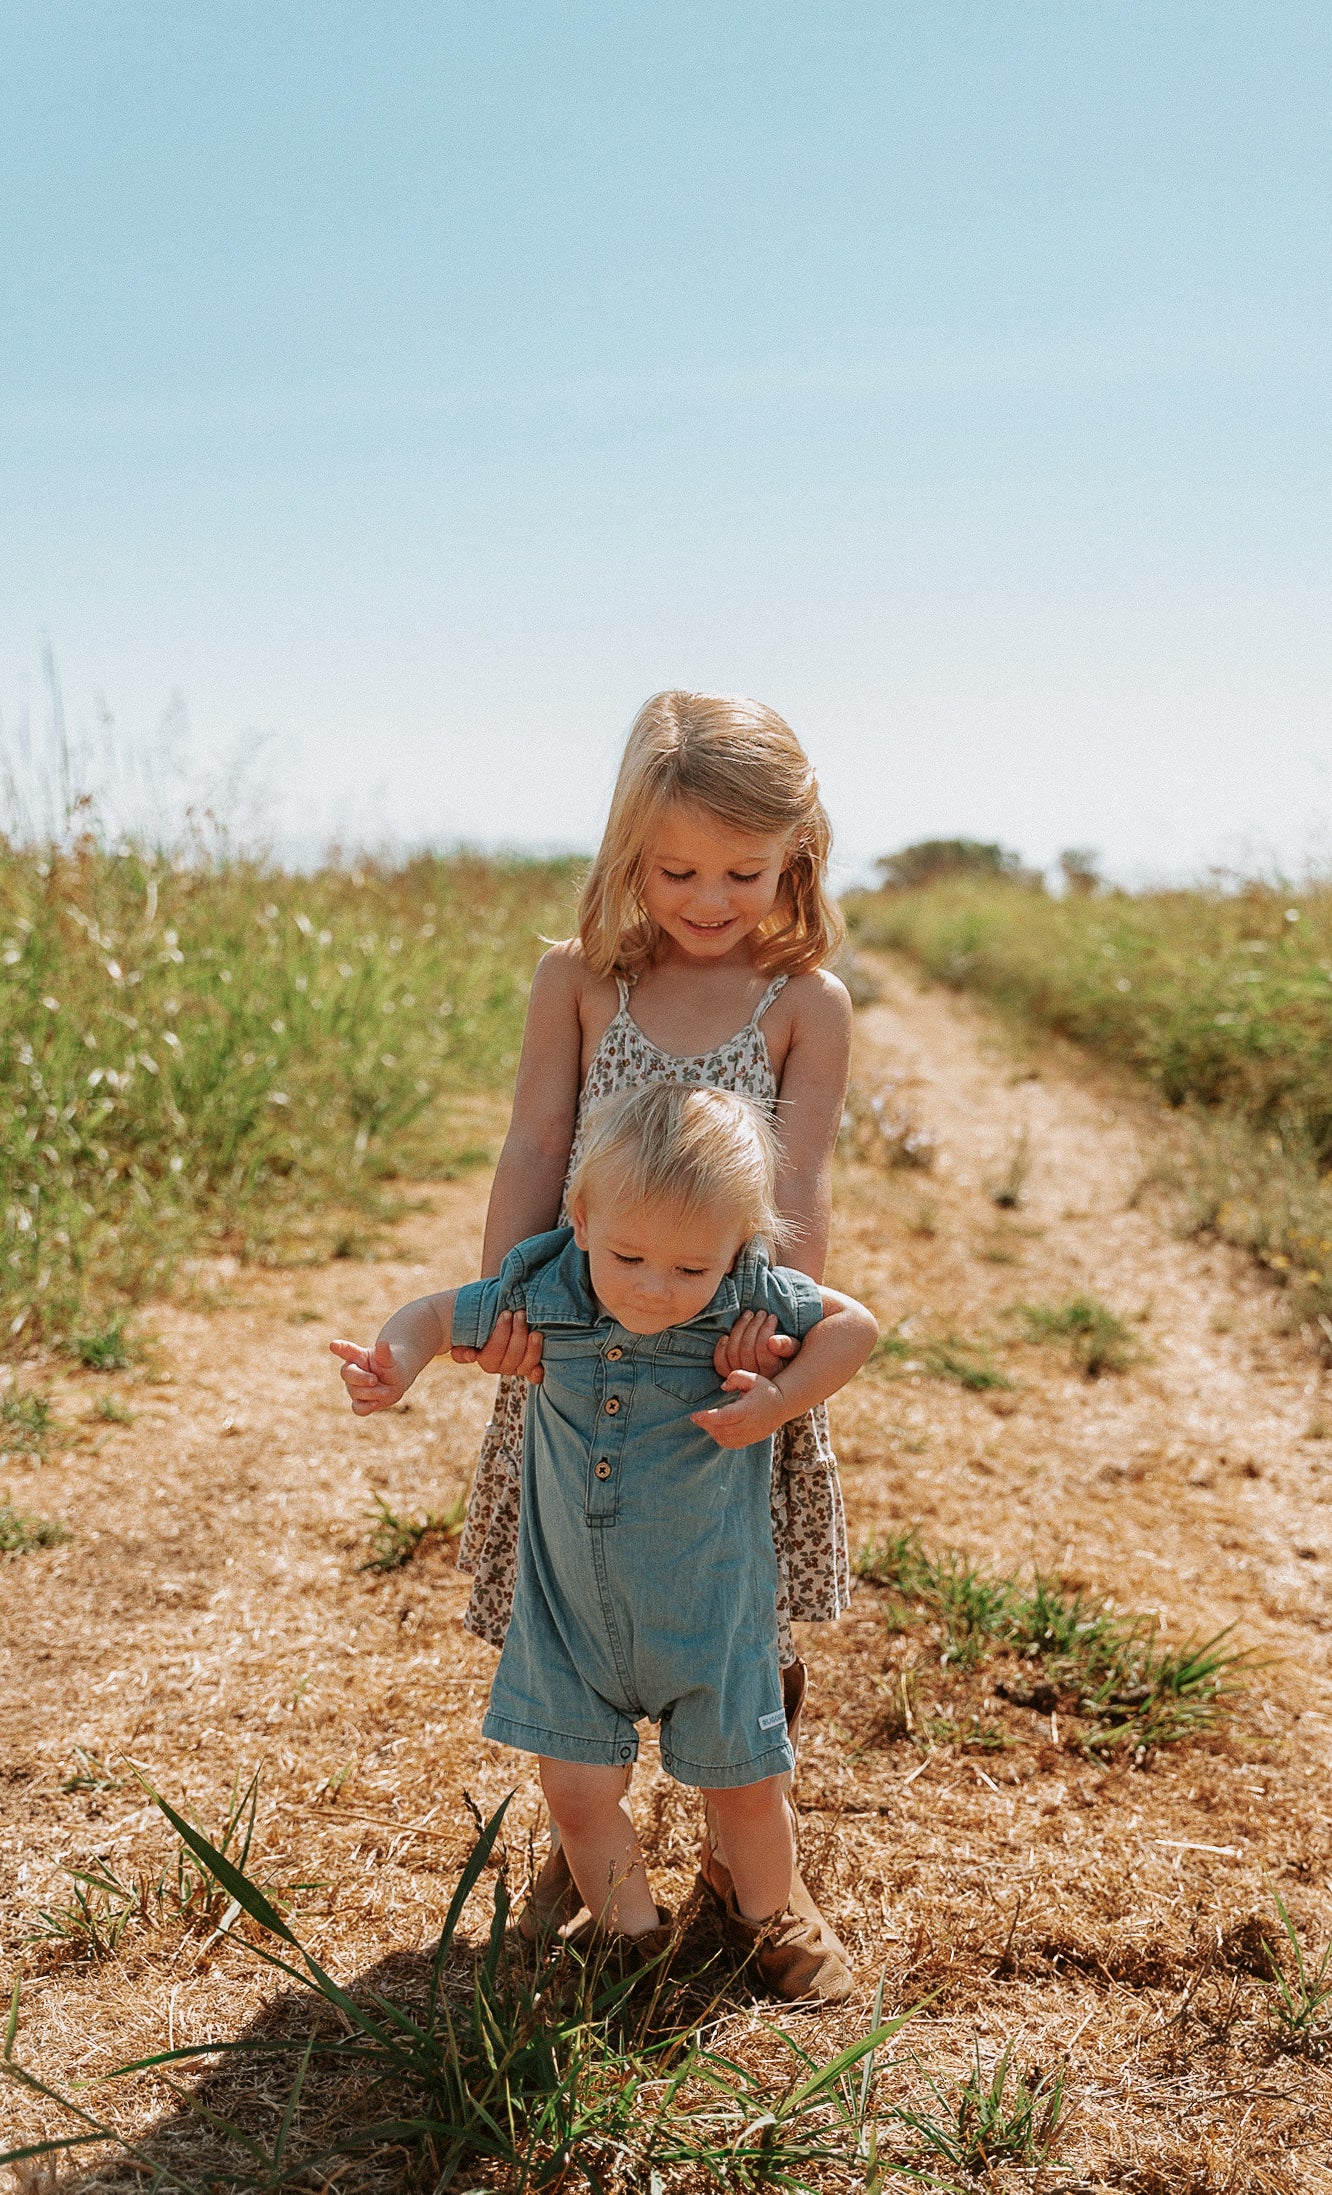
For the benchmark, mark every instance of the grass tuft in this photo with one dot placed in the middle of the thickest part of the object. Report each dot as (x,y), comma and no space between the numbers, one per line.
(393,1540)
(27,1424)
(110,1349)
(948,1357)
(1110,1673)
(1003,2118)
(23,1535)
(1098,1338)
(1299,2001)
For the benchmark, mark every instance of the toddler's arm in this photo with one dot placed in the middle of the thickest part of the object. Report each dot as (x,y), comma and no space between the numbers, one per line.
(377,1378)
(831,1354)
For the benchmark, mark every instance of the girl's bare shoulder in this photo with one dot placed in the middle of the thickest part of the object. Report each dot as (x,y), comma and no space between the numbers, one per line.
(564,982)
(819,1005)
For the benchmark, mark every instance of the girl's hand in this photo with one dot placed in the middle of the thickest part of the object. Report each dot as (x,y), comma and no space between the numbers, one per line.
(754,1345)
(511,1350)
(759,1408)
(372,1377)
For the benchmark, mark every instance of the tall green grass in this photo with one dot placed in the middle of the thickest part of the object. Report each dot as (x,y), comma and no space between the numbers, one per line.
(194,1056)
(1222,1000)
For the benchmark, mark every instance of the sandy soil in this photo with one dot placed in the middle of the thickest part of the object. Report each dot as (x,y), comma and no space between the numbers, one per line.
(209,1617)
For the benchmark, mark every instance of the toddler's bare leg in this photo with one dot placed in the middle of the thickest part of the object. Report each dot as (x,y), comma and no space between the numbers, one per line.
(599,1842)
(755,1824)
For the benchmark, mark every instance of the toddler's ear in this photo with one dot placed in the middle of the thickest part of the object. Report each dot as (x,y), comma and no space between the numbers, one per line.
(578,1215)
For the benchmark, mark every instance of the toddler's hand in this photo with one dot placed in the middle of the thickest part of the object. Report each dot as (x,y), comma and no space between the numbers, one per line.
(511,1350)
(754,1345)
(758,1409)
(372,1377)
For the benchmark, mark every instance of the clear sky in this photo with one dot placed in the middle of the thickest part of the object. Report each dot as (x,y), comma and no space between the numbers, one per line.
(424,385)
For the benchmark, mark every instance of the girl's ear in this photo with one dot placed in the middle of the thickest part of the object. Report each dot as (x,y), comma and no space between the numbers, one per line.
(578,1215)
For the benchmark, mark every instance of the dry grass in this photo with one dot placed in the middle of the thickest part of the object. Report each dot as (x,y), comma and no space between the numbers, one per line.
(1107,1917)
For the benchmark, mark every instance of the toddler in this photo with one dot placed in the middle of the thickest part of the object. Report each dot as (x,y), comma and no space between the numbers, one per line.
(646,1580)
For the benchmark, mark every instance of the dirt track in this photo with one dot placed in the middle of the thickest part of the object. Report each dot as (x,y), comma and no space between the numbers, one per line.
(209,1617)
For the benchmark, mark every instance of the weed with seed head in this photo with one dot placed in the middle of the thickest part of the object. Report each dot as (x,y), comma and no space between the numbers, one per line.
(508,2061)
(1007,2118)
(27,1424)
(393,1540)
(1299,2006)
(21,1534)
(1098,1339)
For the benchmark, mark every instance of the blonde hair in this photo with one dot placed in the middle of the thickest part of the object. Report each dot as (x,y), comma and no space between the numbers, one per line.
(743,765)
(691,1149)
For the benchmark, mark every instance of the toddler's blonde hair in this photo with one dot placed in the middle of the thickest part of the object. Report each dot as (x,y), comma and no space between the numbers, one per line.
(743,765)
(690,1149)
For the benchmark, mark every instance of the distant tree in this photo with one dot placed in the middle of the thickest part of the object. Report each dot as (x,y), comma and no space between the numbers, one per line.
(932,859)
(1081,870)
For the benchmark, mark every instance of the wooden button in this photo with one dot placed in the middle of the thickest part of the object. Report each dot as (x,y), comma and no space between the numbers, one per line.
(612,1405)
(602,1470)
(613,1356)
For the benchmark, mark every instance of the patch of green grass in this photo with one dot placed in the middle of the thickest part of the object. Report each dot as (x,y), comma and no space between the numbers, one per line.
(1299,2002)
(104,1907)
(1109,1670)
(532,2066)
(27,1423)
(109,1348)
(946,1357)
(393,1540)
(21,1534)
(1099,1340)
(1005,2117)
(200,1058)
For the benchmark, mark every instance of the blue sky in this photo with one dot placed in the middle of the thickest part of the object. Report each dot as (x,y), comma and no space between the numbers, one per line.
(422,386)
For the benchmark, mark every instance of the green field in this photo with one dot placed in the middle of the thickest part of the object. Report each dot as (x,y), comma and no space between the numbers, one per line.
(1222,1000)
(221,1057)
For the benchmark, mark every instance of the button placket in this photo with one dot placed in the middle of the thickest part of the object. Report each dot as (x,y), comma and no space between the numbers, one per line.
(608,1438)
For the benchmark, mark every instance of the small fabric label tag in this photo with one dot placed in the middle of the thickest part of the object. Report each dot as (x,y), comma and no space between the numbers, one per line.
(770,1722)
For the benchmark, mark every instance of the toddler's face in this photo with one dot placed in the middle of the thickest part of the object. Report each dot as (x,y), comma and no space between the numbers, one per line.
(708,887)
(652,1268)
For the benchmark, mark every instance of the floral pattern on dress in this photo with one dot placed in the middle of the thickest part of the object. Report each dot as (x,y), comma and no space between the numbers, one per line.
(808,1520)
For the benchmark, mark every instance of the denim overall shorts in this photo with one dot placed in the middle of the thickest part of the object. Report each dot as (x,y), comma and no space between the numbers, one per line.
(647,1582)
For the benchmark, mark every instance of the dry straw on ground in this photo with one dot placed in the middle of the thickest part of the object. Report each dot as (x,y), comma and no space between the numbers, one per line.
(1112,1917)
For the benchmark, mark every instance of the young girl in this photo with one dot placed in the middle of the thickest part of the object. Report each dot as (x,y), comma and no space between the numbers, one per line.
(703,932)
(647,1580)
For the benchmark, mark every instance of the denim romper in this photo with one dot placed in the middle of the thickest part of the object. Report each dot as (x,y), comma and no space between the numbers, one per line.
(647,1582)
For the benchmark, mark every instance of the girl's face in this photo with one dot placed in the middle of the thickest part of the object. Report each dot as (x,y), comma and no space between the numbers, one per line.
(650,1267)
(707,886)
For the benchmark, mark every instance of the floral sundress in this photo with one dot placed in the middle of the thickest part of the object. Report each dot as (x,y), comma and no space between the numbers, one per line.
(808,1520)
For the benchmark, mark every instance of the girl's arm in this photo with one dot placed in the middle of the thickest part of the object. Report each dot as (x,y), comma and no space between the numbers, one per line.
(377,1378)
(809,1114)
(831,1354)
(525,1194)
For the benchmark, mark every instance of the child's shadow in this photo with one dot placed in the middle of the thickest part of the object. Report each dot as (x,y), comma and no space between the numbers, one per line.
(520,2043)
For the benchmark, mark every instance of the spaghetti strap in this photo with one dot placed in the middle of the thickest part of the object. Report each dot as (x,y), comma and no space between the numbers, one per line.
(622,986)
(777,984)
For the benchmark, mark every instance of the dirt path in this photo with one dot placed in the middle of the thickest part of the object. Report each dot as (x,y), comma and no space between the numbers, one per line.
(209,1617)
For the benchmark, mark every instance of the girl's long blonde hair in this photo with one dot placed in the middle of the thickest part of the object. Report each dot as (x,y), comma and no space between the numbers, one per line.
(743,765)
